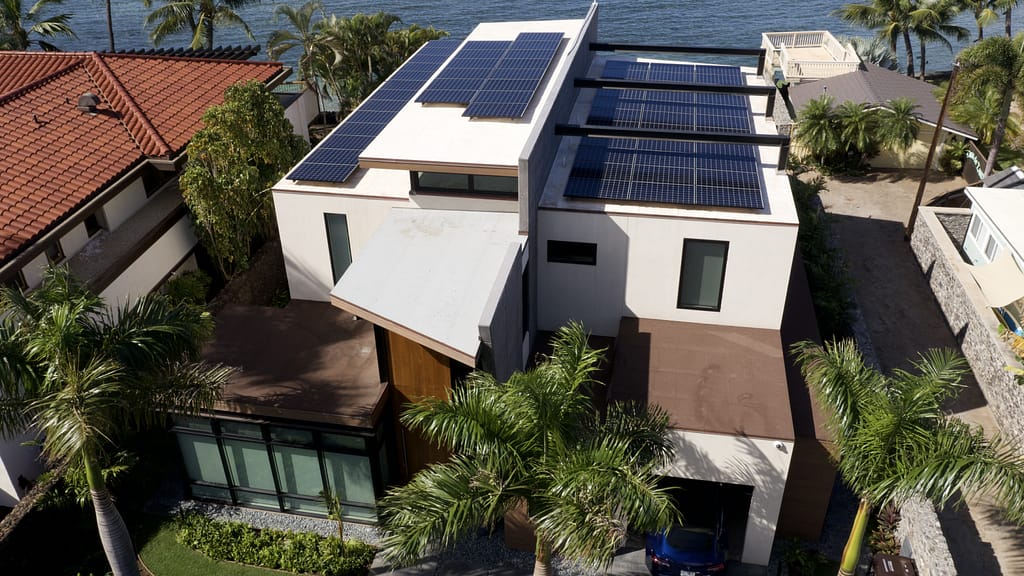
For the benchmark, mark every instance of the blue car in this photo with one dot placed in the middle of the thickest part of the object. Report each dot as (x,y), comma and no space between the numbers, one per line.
(686,551)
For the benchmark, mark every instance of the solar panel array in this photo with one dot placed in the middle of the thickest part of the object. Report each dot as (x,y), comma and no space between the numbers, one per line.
(495,79)
(336,158)
(669,171)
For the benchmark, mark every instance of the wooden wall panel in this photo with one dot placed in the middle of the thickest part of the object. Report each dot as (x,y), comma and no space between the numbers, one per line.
(808,489)
(416,372)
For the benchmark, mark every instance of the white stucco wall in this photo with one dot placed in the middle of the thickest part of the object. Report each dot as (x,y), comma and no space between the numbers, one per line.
(33,271)
(127,202)
(16,460)
(756,462)
(638,265)
(300,221)
(153,265)
(301,112)
(74,240)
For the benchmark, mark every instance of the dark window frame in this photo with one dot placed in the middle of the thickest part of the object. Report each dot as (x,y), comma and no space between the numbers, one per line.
(572,252)
(470,190)
(330,245)
(92,224)
(721,282)
(58,256)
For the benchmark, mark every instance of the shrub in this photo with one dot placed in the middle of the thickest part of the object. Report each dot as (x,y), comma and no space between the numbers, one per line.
(883,538)
(189,288)
(277,549)
(952,158)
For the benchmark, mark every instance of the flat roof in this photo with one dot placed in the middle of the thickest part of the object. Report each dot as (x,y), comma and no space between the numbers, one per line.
(428,275)
(710,378)
(307,361)
(1004,207)
(779,207)
(438,135)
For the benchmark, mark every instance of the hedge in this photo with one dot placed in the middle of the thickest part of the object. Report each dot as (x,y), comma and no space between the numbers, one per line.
(291,551)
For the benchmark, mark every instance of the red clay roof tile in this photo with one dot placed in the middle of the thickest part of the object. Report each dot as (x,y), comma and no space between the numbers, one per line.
(55,158)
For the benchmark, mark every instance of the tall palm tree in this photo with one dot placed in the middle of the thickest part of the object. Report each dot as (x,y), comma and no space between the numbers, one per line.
(200,17)
(932,21)
(1007,7)
(985,13)
(894,441)
(979,109)
(17,29)
(80,374)
(110,27)
(305,34)
(818,128)
(995,63)
(891,18)
(535,441)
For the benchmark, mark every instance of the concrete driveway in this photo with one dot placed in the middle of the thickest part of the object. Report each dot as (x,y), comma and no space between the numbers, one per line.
(869,216)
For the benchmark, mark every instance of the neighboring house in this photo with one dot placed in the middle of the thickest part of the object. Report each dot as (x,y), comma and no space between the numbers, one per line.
(994,244)
(808,55)
(875,87)
(92,146)
(479,200)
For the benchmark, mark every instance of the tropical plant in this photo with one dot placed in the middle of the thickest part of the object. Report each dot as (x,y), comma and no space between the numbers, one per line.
(246,145)
(536,443)
(898,125)
(81,374)
(19,31)
(858,130)
(199,17)
(952,158)
(883,538)
(979,108)
(891,18)
(305,34)
(985,13)
(932,21)
(893,441)
(872,50)
(110,26)
(996,64)
(818,129)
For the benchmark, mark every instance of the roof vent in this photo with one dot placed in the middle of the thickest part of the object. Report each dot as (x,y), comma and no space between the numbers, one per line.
(87,102)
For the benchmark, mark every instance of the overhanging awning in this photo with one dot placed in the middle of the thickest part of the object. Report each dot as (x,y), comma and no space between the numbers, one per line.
(1001,282)
(427,275)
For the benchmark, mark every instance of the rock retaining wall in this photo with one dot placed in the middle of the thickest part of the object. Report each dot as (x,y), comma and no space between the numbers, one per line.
(920,531)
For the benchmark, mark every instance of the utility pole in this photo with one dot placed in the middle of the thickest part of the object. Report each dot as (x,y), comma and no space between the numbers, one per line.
(931,152)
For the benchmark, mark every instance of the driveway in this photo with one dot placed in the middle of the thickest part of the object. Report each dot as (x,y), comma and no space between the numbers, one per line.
(869,216)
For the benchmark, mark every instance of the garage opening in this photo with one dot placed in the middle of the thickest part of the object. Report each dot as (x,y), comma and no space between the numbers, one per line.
(714,505)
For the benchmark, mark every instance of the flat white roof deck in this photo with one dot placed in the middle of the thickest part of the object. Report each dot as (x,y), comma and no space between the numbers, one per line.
(428,274)
(778,196)
(438,136)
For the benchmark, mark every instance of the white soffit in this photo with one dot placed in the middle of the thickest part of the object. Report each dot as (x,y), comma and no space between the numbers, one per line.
(428,274)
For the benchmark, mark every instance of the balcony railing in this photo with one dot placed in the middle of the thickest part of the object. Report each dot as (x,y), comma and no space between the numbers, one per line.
(808,55)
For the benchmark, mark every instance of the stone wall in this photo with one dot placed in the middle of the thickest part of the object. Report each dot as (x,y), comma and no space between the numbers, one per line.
(923,540)
(975,326)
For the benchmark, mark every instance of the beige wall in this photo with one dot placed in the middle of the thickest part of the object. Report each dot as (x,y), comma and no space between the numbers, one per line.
(153,265)
(757,462)
(127,202)
(33,271)
(74,240)
(638,266)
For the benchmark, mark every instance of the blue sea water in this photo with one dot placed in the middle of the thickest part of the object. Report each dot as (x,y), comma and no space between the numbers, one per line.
(683,22)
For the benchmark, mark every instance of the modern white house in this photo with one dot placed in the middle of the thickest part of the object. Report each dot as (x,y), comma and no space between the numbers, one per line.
(92,146)
(493,189)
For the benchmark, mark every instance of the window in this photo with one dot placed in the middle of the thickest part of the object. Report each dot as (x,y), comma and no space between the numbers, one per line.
(976,227)
(92,225)
(465,183)
(54,253)
(991,248)
(338,243)
(702,275)
(572,252)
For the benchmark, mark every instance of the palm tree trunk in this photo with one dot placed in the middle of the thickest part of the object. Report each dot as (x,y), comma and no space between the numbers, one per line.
(851,553)
(981,30)
(1009,12)
(923,60)
(910,53)
(1000,132)
(892,50)
(209,34)
(542,564)
(110,27)
(117,542)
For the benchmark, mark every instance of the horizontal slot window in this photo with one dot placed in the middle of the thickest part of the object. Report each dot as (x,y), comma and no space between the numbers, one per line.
(477,184)
(564,252)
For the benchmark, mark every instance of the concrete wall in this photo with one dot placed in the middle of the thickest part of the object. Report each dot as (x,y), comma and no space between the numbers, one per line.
(74,240)
(968,315)
(127,202)
(301,112)
(153,265)
(16,460)
(923,540)
(753,462)
(639,260)
(33,271)
(300,222)
(501,327)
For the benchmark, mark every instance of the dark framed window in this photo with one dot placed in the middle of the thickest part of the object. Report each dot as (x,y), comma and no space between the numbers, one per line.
(338,244)
(565,252)
(475,184)
(702,274)
(92,225)
(17,282)
(54,253)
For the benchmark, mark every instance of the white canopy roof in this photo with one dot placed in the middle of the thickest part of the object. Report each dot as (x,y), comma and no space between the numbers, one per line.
(1001,281)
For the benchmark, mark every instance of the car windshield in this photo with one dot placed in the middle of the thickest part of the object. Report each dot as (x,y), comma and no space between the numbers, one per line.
(689,539)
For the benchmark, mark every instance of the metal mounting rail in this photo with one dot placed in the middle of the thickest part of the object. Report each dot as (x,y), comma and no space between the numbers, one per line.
(768,91)
(722,50)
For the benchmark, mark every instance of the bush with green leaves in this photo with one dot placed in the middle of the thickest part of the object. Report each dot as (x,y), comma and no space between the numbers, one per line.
(300,552)
(190,288)
(952,158)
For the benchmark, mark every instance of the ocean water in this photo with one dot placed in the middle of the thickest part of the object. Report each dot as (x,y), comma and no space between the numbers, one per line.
(736,23)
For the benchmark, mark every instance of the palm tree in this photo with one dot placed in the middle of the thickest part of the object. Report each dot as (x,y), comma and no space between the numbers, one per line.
(535,441)
(858,126)
(893,441)
(898,125)
(307,35)
(200,17)
(873,50)
(932,22)
(17,29)
(1007,7)
(995,63)
(984,12)
(891,18)
(979,109)
(818,128)
(110,27)
(80,374)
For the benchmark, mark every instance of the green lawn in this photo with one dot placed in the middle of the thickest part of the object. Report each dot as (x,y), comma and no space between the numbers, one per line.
(165,557)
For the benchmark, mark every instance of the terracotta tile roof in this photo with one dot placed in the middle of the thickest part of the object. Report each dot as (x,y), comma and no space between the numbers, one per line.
(55,158)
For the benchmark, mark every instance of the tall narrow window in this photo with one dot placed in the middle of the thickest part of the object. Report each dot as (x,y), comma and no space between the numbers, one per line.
(702,276)
(991,248)
(338,243)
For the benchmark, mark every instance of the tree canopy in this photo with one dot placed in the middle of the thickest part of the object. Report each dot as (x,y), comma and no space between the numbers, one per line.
(245,146)
(199,17)
(19,30)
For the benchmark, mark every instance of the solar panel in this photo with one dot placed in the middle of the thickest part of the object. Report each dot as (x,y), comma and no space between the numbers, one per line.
(337,157)
(465,73)
(510,87)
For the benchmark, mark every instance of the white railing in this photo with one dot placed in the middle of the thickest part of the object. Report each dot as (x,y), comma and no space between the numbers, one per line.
(783,49)
(775,40)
